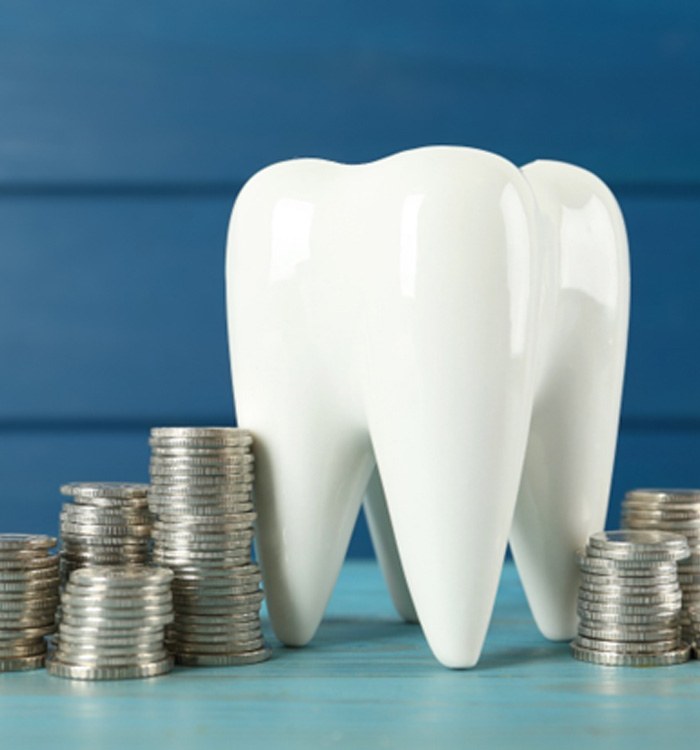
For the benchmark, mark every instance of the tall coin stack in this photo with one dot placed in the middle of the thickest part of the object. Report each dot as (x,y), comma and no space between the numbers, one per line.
(677,511)
(108,523)
(28,599)
(200,495)
(113,624)
(629,602)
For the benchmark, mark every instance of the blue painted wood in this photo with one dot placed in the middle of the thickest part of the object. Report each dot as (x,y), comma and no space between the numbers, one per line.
(214,90)
(368,680)
(112,308)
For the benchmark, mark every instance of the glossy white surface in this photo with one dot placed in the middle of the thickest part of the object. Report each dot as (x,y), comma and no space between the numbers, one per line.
(459,323)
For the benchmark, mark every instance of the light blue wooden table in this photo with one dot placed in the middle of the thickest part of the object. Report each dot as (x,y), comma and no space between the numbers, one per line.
(369,681)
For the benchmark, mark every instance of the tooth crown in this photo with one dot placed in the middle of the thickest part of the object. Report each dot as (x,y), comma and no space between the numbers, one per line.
(457,322)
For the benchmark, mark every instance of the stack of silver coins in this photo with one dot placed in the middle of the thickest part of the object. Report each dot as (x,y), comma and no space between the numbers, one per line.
(677,511)
(629,602)
(113,624)
(200,495)
(28,599)
(108,523)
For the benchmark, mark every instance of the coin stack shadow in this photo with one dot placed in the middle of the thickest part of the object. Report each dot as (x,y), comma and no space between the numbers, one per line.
(28,599)
(113,624)
(107,524)
(629,601)
(677,511)
(201,498)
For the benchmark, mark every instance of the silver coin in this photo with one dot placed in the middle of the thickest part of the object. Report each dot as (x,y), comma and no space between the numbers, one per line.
(182,594)
(628,647)
(202,550)
(241,536)
(668,510)
(185,523)
(185,621)
(22,663)
(612,597)
(238,472)
(25,633)
(616,619)
(99,634)
(28,564)
(137,505)
(19,650)
(31,543)
(630,544)
(114,623)
(232,647)
(664,513)
(238,576)
(198,525)
(242,632)
(201,515)
(116,597)
(140,610)
(105,644)
(239,600)
(201,505)
(58,669)
(606,658)
(35,587)
(218,432)
(102,530)
(209,458)
(659,495)
(224,660)
(126,490)
(191,569)
(114,513)
(211,453)
(27,606)
(196,502)
(636,583)
(33,620)
(70,655)
(103,560)
(28,576)
(96,544)
(240,540)
(623,568)
(195,576)
(76,514)
(225,483)
(20,557)
(662,609)
(129,576)
(121,605)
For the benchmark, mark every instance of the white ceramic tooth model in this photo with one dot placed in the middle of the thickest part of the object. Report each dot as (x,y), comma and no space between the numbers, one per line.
(462,324)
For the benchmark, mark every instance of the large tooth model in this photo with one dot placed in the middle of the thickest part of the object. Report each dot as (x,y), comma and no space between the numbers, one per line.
(459,324)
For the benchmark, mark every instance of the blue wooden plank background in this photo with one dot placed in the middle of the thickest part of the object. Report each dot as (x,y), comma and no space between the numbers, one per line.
(127,128)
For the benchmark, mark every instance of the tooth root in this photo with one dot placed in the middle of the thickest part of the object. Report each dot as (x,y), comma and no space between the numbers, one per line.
(566,478)
(307,508)
(384,542)
(450,397)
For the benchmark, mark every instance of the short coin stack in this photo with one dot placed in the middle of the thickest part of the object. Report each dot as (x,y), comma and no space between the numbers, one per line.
(28,599)
(200,495)
(107,524)
(629,601)
(113,624)
(677,511)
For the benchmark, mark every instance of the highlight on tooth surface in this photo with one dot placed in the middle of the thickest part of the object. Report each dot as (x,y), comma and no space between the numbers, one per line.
(443,335)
